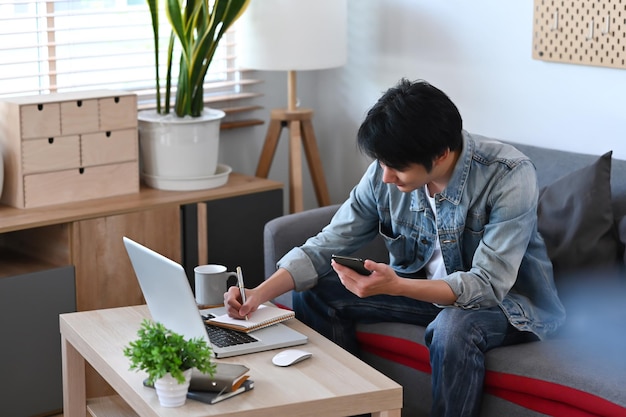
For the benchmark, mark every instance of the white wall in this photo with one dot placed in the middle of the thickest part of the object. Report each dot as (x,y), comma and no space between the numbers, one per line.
(479,53)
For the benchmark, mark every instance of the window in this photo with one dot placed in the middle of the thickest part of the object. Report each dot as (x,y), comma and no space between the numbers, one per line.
(73,45)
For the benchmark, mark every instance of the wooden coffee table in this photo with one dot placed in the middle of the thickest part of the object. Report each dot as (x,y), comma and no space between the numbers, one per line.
(331,383)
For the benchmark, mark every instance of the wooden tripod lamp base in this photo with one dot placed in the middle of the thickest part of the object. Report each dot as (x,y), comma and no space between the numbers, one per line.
(299,123)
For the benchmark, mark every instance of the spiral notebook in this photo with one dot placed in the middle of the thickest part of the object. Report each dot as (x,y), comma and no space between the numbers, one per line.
(265,316)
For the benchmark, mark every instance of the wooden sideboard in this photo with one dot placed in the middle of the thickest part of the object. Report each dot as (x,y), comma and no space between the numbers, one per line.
(79,247)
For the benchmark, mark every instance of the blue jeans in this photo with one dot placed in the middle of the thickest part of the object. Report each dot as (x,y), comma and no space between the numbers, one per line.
(457,339)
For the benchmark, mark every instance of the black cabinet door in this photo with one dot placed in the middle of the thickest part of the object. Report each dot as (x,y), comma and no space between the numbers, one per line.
(30,352)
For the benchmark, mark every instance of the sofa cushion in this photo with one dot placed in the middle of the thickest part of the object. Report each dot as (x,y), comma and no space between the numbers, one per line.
(575,217)
(561,377)
(559,374)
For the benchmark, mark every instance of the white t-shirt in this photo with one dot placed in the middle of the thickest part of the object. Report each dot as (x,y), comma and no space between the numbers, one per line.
(435,267)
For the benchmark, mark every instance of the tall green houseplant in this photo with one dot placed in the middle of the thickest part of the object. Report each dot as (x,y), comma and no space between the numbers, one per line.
(198,25)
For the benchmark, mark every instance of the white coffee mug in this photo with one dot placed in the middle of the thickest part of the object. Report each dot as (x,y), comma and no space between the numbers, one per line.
(212,281)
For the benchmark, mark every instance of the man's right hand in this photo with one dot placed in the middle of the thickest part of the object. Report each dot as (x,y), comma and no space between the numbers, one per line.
(279,283)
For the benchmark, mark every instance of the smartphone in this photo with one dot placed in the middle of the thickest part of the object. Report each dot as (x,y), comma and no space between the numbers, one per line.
(353,263)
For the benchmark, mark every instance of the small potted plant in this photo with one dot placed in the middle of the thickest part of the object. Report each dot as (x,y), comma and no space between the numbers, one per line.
(168,358)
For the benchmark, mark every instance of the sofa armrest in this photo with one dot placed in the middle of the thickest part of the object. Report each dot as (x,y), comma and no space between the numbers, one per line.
(286,232)
(283,233)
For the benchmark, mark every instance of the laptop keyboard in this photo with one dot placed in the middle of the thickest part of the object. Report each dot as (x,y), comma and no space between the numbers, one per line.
(222,337)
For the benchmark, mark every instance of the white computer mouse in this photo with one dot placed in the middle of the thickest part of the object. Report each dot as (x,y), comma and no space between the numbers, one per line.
(290,356)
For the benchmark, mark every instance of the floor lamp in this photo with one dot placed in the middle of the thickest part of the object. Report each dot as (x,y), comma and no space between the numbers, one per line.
(294,35)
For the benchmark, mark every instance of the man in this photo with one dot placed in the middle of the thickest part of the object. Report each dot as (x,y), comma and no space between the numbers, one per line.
(459,217)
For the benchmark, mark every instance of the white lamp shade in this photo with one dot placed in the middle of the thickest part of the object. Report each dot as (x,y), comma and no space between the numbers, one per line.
(289,35)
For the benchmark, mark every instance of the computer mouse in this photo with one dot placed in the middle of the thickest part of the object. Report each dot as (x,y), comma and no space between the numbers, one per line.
(290,356)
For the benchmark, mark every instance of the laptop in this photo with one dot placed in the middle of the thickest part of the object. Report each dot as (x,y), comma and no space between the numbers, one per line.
(171,301)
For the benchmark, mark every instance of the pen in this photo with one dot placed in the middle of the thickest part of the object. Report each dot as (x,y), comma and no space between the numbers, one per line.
(241,287)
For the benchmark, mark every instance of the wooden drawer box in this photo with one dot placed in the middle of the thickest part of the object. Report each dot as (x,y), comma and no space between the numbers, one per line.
(50,154)
(80,184)
(109,147)
(79,116)
(40,120)
(59,148)
(115,114)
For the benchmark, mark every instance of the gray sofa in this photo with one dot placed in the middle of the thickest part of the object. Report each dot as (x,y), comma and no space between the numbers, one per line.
(581,371)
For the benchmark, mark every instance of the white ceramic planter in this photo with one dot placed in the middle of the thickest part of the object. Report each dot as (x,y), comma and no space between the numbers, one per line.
(171,393)
(180,153)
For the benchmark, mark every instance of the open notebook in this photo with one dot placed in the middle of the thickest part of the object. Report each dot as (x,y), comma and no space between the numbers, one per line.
(170,300)
(266,315)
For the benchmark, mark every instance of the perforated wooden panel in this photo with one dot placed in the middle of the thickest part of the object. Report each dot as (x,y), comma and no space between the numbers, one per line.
(591,32)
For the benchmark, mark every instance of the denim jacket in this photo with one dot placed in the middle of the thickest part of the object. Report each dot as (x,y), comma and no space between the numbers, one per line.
(487,228)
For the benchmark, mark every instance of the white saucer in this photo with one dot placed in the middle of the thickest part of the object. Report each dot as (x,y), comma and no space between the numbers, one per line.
(189,184)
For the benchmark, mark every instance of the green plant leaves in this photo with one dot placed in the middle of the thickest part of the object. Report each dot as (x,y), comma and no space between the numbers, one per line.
(159,350)
(198,27)
(154,15)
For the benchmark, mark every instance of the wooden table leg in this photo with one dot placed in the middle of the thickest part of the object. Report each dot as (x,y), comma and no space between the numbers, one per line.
(74,392)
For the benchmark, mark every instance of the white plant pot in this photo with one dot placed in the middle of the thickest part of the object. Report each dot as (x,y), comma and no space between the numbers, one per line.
(171,393)
(180,153)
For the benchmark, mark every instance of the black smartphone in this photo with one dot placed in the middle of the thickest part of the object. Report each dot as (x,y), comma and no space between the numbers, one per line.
(353,263)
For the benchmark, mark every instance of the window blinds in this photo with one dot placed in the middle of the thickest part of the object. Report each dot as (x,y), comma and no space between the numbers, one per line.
(49,46)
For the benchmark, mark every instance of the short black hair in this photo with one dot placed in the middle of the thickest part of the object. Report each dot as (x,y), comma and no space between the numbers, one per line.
(413,122)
